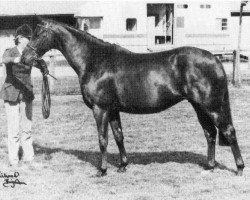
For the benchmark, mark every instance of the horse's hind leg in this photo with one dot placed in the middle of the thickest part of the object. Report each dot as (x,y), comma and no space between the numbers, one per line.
(115,123)
(229,132)
(210,133)
(221,117)
(223,121)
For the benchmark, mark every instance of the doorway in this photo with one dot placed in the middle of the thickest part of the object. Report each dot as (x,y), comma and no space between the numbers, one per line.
(160,19)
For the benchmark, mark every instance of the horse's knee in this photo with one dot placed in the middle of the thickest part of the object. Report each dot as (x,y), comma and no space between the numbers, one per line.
(118,135)
(103,143)
(119,138)
(229,133)
(211,136)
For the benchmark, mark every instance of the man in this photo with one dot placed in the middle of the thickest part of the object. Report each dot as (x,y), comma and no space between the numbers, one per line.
(17,93)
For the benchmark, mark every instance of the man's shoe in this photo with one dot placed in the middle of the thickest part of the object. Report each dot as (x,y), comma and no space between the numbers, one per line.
(14,166)
(32,165)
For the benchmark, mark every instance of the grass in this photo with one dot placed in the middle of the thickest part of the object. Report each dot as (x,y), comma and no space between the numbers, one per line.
(166,151)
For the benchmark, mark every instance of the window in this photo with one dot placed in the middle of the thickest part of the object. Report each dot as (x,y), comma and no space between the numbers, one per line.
(95,23)
(224,24)
(205,6)
(159,39)
(180,22)
(131,24)
(182,6)
(90,23)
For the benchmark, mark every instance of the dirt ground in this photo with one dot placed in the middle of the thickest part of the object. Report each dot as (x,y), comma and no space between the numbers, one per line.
(166,151)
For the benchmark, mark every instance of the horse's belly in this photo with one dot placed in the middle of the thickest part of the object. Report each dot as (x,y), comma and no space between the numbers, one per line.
(148,109)
(145,100)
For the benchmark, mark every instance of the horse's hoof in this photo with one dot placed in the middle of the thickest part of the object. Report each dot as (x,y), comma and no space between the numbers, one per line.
(239,172)
(101,173)
(121,170)
(209,168)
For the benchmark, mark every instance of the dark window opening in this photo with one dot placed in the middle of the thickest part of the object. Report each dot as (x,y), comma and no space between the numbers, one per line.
(185,6)
(168,38)
(131,24)
(95,23)
(224,24)
(206,6)
(159,40)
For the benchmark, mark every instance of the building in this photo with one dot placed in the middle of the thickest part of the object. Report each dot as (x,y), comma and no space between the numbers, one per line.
(144,26)
(16,13)
(140,26)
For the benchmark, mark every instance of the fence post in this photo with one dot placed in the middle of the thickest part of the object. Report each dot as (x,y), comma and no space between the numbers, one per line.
(234,67)
(52,62)
(237,82)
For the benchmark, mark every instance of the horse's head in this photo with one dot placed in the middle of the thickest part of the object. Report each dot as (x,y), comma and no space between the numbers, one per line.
(41,42)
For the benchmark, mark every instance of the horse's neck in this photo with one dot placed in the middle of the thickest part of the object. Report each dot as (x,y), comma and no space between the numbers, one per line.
(74,54)
(80,52)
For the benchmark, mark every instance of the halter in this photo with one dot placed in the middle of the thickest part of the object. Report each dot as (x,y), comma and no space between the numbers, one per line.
(45,93)
(36,57)
(45,28)
(35,52)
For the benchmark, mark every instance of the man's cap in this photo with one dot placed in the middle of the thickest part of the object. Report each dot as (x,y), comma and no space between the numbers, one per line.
(24,31)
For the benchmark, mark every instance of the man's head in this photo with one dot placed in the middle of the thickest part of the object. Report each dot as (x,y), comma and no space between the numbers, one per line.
(23,35)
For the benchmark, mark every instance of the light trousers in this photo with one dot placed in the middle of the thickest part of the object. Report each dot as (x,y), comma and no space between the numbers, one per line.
(19,121)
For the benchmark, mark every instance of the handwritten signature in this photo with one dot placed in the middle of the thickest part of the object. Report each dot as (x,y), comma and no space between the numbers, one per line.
(11,180)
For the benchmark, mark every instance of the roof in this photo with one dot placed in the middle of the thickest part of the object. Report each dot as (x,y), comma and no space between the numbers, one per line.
(31,7)
(91,9)
(80,8)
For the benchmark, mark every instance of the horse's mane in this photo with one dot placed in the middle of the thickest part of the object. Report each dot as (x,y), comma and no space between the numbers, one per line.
(84,35)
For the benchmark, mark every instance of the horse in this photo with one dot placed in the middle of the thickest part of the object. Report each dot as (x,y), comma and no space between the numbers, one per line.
(113,80)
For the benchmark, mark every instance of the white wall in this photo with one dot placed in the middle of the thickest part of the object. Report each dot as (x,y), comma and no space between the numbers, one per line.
(202,25)
(114,25)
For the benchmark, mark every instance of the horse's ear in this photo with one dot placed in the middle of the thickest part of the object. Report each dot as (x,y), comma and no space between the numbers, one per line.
(40,20)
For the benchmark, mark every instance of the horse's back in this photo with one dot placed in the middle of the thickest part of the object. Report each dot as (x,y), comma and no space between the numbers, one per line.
(160,80)
(147,83)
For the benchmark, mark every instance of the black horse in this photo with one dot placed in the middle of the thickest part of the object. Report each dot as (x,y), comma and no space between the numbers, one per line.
(114,80)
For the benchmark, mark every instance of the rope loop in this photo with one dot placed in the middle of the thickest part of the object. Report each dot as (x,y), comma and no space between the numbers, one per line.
(46,101)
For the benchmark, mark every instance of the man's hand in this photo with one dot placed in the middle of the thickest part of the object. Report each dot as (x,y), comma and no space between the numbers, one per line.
(17,59)
(43,67)
(45,71)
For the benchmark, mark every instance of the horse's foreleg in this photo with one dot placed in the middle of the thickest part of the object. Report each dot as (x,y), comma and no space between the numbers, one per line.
(101,117)
(115,123)
(210,134)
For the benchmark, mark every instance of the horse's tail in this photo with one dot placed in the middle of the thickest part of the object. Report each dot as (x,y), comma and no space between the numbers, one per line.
(226,117)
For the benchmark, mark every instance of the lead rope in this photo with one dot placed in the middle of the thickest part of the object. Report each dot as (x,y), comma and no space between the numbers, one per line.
(46,101)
